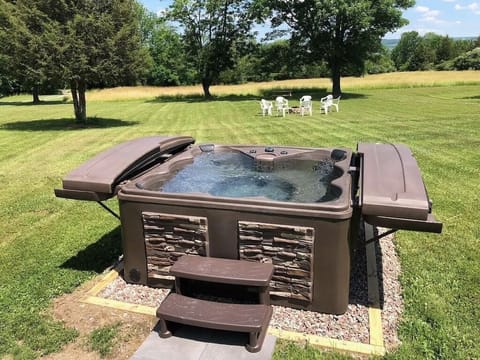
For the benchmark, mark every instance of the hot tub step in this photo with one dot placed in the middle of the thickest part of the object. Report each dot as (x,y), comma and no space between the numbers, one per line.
(224,271)
(248,318)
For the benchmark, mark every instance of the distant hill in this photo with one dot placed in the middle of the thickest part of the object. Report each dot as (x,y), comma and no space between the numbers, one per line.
(390,43)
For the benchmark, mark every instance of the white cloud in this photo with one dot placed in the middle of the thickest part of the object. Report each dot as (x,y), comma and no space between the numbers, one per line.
(428,14)
(422,9)
(475,7)
(423,31)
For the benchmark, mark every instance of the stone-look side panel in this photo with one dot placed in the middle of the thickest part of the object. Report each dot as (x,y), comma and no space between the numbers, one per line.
(169,236)
(289,248)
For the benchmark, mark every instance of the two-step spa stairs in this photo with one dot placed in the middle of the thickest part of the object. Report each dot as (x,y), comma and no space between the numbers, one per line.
(248,318)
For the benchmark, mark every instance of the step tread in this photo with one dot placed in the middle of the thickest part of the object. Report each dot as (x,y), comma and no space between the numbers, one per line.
(227,271)
(214,315)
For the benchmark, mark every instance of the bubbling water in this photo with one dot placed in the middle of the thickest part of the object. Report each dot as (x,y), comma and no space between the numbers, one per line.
(234,174)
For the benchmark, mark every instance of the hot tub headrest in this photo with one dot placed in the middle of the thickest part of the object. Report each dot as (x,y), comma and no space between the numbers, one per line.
(338,155)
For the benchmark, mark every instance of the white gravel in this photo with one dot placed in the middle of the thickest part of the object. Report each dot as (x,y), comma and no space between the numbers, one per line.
(351,326)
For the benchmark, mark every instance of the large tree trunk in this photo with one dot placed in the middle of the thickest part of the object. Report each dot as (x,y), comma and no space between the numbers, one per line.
(79,103)
(206,87)
(336,88)
(36,94)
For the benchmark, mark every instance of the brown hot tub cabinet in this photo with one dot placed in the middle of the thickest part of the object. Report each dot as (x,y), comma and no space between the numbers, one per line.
(307,237)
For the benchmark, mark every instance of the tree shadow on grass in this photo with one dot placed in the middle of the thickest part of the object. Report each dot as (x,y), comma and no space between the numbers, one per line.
(99,255)
(31,103)
(475,97)
(65,124)
(315,93)
(293,93)
(201,98)
(269,94)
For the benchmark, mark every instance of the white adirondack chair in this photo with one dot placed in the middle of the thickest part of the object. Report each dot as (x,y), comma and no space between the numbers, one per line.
(282,105)
(326,103)
(306,105)
(266,107)
(336,102)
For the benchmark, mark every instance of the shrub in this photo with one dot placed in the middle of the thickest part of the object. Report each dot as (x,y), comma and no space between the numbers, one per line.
(468,61)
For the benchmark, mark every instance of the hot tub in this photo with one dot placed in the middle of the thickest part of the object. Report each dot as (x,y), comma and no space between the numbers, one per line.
(298,208)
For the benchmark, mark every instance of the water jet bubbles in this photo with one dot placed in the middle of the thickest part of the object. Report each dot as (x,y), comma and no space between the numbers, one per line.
(234,174)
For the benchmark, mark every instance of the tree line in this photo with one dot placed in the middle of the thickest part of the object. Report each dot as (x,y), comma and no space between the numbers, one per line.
(435,52)
(81,44)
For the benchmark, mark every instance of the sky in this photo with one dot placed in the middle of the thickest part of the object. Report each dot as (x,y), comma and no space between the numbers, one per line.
(455,18)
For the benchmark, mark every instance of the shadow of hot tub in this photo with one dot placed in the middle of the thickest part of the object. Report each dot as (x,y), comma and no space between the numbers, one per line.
(298,208)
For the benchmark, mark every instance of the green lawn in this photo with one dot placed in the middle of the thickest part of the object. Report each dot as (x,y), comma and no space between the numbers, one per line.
(49,246)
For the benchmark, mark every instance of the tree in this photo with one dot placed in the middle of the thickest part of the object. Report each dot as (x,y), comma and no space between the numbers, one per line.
(405,48)
(414,52)
(462,46)
(445,50)
(28,49)
(275,60)
(468,61)
(476,42)
(432,42)
(214,33)
(422,58)
(380,62)
(102,47)
(74,42)
(5,55)
(169,65)
(246,69)
(342,32)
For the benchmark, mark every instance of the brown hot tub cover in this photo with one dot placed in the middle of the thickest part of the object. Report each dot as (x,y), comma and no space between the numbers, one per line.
(393,194)
(97,178)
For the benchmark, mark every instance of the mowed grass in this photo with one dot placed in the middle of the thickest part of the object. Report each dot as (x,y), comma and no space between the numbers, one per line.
(50,246)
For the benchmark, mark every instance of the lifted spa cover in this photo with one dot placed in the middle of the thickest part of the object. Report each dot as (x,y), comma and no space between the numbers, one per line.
(392,192)
(97,178)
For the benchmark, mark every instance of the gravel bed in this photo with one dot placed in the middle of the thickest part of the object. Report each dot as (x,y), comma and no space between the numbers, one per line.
(135,294)
(351,326)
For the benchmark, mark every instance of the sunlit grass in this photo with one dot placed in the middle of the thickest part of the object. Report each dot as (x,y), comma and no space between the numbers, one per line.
(104,339)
